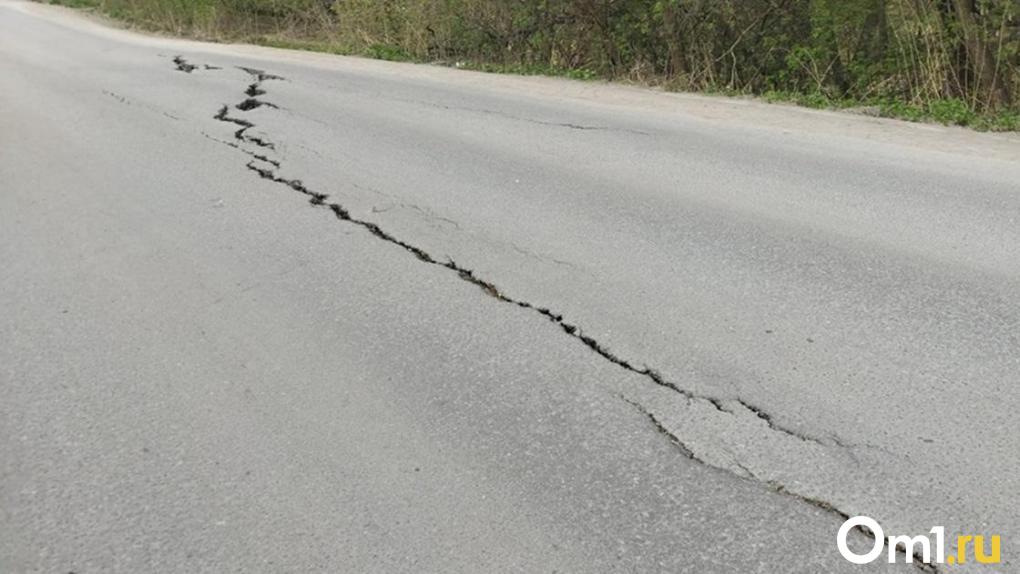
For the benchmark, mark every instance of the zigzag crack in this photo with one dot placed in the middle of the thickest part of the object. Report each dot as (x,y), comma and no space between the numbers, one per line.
(241,134)
(260,75)
(269,171)
(777,487)
(468,275)
(252,103)
(183,65)
(235,145)
(186,67)
(679,444)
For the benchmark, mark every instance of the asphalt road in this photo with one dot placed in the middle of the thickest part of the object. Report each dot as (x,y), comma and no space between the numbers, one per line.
(396,318)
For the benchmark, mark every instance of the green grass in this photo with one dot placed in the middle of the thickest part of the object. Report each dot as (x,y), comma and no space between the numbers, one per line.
(77,3)
(530,70)
(305,45)
(197,19)
(375,51)
(948,112)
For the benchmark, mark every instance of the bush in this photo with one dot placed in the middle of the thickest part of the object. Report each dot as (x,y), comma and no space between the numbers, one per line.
(954,61)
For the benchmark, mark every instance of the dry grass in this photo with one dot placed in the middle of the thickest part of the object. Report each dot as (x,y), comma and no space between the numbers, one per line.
(954,61)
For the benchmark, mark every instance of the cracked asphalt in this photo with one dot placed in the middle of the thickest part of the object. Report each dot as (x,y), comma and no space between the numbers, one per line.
(275,311)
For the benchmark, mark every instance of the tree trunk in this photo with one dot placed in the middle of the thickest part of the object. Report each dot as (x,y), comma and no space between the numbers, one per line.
(988,78)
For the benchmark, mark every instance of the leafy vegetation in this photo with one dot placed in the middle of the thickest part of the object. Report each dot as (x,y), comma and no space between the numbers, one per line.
(951,61)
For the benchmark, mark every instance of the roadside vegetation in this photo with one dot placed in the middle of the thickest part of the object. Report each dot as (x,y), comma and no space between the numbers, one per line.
(950,61)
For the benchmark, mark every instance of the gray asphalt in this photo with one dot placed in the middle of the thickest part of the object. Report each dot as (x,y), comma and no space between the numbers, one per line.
(415,319)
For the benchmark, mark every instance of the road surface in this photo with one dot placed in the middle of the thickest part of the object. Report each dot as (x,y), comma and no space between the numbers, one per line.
(285,312)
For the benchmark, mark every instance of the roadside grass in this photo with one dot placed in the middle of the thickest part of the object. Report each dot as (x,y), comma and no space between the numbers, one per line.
(583,74)
(77,3)
(950,112)
(196,19)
